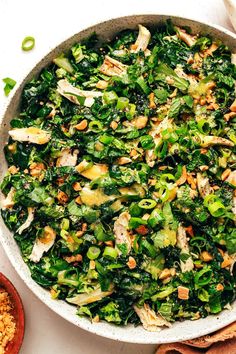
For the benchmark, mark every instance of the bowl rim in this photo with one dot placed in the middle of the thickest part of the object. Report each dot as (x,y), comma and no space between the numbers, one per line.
(18,305)
(105,329)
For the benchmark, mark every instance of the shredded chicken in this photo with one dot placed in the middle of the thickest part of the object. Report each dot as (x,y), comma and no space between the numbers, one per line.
(232,178)
(87,298)
(142,40)
(71,93)
(182,243)
(67,158)
(122,235)
(155,133)
(32,135)
(186,37)
(8,202)
(151,321)
(233,58)
(93,172)
(208,140)
(28,221)
(43,244)
(203,185)
(112,67)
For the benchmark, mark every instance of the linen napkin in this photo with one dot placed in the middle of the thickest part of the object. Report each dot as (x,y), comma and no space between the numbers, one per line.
(220,342)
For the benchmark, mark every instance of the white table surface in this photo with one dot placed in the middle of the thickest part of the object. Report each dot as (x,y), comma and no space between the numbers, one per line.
(50,22)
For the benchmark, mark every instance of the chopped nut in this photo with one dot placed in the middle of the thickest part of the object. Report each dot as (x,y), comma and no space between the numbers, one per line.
(230,115)
(152,103)
(219,287)
(114,125)
(72,259)
(76,186)
(191,181)
(204,168)
(13,170)
(189,230)
(109,243)
(215,188)
(183,177)
(12,148)
(62,197)
(78,200)
(233,106)
(79,233)
(225,174)
(133,153)
(183,293)
(202,101)
(82,125)
(123,160)
(140,122)
(142,230)
(206,256)
(162,168)
(190,60)
(165,274)
(131,263)
(152,182)
(84,226)
(36,169)
(212,106)
(92,265)
(95,319)
(226,262)
(102,84)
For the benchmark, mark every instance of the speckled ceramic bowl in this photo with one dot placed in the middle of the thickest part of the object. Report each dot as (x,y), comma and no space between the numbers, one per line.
(179,331)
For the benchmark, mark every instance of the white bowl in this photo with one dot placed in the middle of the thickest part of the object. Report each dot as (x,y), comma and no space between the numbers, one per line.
(180,330)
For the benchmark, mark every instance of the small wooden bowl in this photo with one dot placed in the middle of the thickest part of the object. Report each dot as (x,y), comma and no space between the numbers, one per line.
(13,347)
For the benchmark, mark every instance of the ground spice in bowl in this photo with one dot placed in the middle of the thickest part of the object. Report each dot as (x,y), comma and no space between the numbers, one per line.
(7,321)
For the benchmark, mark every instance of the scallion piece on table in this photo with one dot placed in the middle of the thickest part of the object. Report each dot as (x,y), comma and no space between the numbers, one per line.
(28,43)
(9,85)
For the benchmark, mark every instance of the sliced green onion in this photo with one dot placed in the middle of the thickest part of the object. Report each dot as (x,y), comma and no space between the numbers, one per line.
(106,139)
(203,277)
(163,294)
(64,63)
(150,248)
(110,252)
(166,177)
(203,126)
(100,268)
(122,103)
(132,110)
(147,142)
(93,252)
(169,135)
(147,203)
(65,224)
(136,222)
(155,218)
(28,43)
(216,209)
(95,126)
(9,84)
(143,85)
(209,199)
(110,97)
(203,295)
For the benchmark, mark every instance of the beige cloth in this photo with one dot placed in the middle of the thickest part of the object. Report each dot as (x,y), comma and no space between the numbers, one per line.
(220,342)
